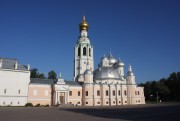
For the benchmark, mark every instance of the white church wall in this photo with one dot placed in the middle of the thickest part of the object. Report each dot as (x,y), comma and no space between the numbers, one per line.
(14,87)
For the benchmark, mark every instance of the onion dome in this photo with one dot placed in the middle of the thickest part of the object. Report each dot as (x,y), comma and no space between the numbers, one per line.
(130,72)
(83,25)
(105,73)
(120,63)
(104,58)
(88,72)
(81,76)
(112,60)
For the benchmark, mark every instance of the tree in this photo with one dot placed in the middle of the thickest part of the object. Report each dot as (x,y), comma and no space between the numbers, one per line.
(34,73)
(52,75)
(41,76)
(167,89)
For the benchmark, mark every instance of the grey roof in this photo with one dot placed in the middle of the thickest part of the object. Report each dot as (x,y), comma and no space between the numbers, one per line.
(106,73)
(42,81)
(8,63)
(72,83)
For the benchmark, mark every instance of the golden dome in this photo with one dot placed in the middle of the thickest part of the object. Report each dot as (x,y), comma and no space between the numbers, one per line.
(83,25)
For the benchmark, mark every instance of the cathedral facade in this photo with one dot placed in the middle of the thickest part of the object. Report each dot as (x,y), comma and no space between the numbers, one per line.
(107,85)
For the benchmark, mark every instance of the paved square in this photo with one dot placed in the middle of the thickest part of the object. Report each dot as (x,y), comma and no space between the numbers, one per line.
(148,112)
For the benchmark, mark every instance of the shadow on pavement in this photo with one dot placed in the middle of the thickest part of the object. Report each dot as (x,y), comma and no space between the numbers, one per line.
(158,113)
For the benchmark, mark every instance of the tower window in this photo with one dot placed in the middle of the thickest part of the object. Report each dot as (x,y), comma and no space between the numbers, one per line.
(19,91)
(119,92)
(4,91)
(84,51)
(90,52)
(107,93)
(79,51)
(138,93)
(125,93)
(98,93)
(113,92)
(86,93)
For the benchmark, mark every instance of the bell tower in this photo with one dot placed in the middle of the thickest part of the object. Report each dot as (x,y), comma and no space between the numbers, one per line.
(83,51)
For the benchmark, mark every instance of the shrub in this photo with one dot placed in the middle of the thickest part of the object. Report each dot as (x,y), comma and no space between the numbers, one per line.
(47,105)
(29,105)
(37,105)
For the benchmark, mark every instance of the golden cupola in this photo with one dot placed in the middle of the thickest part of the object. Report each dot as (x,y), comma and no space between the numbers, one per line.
(83,25)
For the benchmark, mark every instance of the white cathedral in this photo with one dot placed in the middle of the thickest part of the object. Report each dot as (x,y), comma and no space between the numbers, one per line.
(105,86)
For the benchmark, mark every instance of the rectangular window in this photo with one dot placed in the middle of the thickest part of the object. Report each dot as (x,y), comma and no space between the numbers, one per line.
(46,92)
(86,93)
(98,93)
(114,93)
(135,93)
(19,91)
(79,93)
(119,92)
(107,93)
(4,91)
(70,93)
(35,92)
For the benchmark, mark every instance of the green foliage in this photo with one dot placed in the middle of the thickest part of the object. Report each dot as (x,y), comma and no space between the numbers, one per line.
(36,74)
(165,89)
(37,105)
(41,76)
(47,105)
(52,75)
(29,105)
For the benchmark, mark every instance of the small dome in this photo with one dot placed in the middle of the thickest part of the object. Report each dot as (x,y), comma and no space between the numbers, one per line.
(130,73)
(104,58)
(83,25)
(119,64)
(88,72)
(81,76)
(112,60)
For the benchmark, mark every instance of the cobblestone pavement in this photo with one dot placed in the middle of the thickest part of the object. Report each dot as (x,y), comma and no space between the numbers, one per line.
(148,112)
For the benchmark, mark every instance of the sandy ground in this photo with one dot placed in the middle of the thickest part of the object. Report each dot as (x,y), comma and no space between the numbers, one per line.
(147,112)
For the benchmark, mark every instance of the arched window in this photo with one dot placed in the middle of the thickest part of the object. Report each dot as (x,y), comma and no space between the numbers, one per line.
(84,51)
(79,51)
(125,93)
(90,52)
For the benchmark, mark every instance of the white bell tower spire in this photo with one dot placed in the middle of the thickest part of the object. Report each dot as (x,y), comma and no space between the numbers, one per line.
(83,51)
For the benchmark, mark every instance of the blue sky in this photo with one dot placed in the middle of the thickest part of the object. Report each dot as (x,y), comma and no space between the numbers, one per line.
(143,33)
